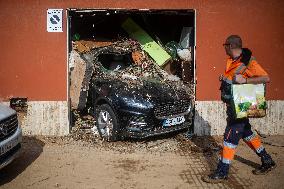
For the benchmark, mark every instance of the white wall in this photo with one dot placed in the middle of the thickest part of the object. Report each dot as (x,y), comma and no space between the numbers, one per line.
(46,118)
(210,118)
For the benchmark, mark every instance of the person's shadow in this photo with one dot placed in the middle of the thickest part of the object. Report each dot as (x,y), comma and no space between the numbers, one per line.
(30,151)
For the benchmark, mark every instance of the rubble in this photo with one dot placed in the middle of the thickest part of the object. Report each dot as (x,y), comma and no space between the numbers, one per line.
(179,143)
(127,66)
(144,68)
(84,128)
(19,104)
(86,45)
(187,73)
(147,42)
(149,70)
(184,54)
(84,133)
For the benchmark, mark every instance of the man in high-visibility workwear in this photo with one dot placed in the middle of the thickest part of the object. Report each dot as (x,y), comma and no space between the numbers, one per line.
(241,68)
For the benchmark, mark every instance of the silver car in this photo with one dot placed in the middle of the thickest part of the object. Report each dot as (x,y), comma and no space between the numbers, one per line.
(10,135)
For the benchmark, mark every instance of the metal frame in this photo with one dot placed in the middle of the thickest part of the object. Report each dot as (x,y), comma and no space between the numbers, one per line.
(68,78)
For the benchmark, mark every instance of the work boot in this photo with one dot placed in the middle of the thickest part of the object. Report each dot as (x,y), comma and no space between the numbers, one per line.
(220,175)
(267,165)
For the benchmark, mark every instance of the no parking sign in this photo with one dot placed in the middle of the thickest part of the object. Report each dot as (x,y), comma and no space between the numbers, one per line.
(54,20)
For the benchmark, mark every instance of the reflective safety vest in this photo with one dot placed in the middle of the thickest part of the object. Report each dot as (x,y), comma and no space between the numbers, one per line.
(247,70)
(234,68)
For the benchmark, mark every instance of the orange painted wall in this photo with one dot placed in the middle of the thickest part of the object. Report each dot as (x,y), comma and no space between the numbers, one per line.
(33,62)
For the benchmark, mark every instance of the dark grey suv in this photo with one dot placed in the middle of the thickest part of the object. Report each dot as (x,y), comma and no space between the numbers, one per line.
(132,96)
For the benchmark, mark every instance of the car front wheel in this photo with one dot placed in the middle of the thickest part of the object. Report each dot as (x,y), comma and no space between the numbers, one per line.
(106,122)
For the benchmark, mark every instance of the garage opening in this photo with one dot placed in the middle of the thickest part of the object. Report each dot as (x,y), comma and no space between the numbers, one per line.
(172,32)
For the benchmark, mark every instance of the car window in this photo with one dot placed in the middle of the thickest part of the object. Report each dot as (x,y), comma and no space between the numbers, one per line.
(115,62)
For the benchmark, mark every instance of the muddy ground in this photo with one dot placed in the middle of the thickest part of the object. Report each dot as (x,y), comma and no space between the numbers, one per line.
(171,161)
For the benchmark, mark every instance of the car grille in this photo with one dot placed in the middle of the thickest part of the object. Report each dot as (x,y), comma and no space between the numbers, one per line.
(8,127)
(171,108)
(9,154)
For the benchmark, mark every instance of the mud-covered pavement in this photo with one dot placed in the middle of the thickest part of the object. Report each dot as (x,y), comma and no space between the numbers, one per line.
(166,162)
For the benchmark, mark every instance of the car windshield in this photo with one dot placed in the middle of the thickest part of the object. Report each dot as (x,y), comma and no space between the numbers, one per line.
(115,62)
(126,61)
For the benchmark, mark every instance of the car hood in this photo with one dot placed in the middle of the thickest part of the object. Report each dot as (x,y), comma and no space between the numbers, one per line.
(162,91)
(155,91)
(5,112)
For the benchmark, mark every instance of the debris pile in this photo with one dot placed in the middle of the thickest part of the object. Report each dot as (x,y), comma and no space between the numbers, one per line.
(148,44)
(151,64)
(206,145)
(84,128)
(144,68)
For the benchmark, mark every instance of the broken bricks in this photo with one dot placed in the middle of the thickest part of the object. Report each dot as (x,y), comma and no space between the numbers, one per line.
(86,45)
(86,65)
(159,55)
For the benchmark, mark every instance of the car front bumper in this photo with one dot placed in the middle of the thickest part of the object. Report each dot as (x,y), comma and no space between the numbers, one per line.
(14,145)
(148,125)
(145,134)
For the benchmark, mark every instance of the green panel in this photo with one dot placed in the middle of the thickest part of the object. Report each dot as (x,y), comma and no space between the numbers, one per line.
(159,55)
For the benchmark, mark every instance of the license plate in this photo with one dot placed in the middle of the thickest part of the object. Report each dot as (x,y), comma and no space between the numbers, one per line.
(173,121)
(11,144)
